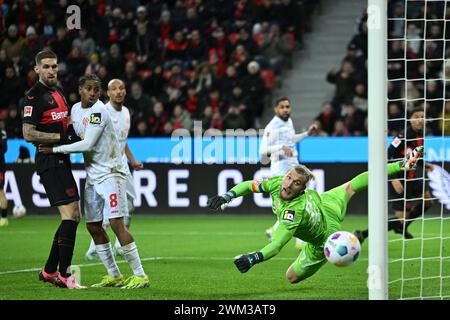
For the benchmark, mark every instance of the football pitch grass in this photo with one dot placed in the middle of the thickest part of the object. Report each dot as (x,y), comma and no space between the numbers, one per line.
(191,257)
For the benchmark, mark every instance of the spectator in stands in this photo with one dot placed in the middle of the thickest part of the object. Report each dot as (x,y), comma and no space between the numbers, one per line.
(61,45)
(140,129)
(215,100)
(130,76)
(11,88)
(345,83)
(33,44)
(327,118)
(115,63)
(240,59)
(205,78)
(176,48)
(353,119)
(145,46)
(154,84)
(233,119)
(94,64)
(197,50)
(13,44)
(276,49)
(138,102)
(157,120)
(193,103)
(76,62)
(168,129)
(85,43)
(181,118)
(254,87)
(13,124)
(319,130)
(339,129)
(360,98)
(396,122)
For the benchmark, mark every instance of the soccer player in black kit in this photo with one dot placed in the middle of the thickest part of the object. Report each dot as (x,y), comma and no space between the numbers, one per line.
(404,198)
(3,200)
(45,121)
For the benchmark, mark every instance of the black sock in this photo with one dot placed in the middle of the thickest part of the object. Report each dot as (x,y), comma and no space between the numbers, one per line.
(4,213)
(53,258)
(66,240)
(394,224)
(365,233)
(416,211)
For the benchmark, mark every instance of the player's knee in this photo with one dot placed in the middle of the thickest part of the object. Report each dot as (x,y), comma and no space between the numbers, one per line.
(291,276)
(94,228)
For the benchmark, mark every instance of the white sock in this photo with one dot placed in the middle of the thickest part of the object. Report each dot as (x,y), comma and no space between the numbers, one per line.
(92,246)
(106,256)
(275,226)
(130,252)
(117,245)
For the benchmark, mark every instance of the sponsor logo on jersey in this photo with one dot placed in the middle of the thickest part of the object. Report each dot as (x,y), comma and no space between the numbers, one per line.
(396,142)
(96,118)
(27,111)
(59,115)
(288,215)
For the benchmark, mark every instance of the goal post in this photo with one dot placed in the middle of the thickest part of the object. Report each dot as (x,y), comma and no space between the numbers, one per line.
(377,133)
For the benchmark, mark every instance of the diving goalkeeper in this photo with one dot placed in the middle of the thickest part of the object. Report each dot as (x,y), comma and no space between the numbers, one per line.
(303,213)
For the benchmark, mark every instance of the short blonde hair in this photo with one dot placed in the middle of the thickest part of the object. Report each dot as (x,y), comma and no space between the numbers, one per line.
(304,172)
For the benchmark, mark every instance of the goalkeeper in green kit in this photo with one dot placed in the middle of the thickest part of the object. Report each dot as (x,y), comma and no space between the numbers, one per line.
(303,213)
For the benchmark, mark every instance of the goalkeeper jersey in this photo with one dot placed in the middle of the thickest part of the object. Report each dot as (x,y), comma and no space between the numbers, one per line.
(302,217)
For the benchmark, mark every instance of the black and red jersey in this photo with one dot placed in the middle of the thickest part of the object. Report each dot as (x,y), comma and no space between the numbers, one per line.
(400,146)
(48,110)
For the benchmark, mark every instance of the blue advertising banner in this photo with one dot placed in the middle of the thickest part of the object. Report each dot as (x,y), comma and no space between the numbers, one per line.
(242,150)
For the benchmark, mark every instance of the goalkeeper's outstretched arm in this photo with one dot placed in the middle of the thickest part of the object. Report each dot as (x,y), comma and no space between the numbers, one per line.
(238,190)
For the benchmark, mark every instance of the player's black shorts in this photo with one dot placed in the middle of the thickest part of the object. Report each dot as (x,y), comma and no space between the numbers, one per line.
(414,189)
(59,185)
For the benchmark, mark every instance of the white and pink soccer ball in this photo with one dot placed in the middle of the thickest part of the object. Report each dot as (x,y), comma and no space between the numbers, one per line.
(342,248)
(19,211)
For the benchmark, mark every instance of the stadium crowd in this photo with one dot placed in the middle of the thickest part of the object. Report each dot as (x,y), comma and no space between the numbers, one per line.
(423,84)
(181,60)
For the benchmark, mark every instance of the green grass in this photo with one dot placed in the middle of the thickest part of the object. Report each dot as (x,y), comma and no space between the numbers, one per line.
(191,257)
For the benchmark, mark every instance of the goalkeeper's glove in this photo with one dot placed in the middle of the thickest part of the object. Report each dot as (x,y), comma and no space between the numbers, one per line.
(69,136)
(216,201)
(245,261)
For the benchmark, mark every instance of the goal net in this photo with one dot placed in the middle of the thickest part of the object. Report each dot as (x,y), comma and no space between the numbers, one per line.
(418,92)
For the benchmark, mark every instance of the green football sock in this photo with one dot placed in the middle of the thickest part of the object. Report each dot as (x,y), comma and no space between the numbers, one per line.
(361,181)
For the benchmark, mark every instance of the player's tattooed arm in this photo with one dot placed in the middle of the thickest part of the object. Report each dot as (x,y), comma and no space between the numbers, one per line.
(137,165)
(32,135)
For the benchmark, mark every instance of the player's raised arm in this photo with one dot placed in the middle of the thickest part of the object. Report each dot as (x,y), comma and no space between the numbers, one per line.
(239,190)
(300,136)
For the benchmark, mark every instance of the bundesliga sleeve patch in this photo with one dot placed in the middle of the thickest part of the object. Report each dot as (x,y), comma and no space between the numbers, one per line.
(288,215)
(27,111)
(96,118)
(396,142)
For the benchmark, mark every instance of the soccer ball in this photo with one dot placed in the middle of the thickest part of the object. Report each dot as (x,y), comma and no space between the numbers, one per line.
(342,248)
(19,211)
